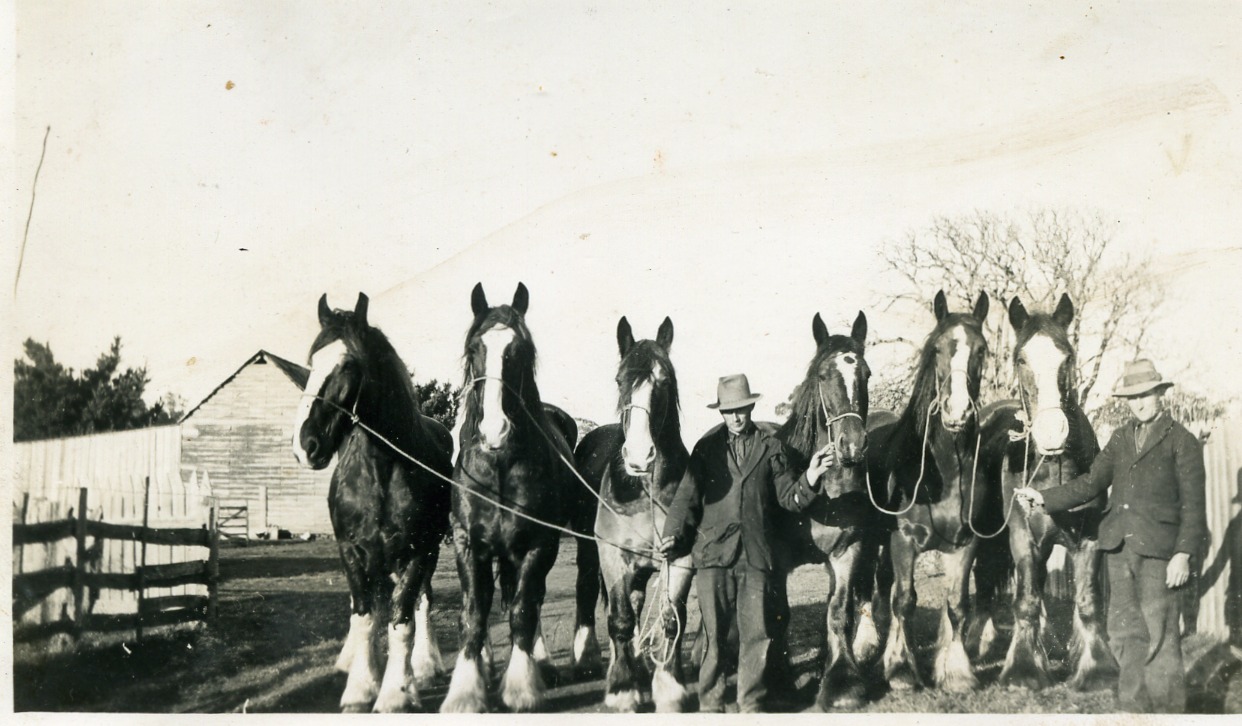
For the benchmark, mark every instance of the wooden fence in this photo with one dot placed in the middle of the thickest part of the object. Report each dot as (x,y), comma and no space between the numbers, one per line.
(77,585)
(135,481)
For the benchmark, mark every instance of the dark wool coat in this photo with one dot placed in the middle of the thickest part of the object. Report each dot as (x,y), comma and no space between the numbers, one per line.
(726,509)
(1156,506)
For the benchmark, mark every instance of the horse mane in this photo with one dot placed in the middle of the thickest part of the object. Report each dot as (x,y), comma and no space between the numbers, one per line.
(635,367)
(801,430)
(384,372)
(924,388)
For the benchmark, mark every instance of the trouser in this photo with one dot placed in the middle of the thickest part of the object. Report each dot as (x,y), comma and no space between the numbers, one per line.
(1144,634)
(724,592)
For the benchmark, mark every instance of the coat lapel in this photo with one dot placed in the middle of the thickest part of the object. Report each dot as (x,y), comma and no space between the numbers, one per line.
(758,449)
(1160,429)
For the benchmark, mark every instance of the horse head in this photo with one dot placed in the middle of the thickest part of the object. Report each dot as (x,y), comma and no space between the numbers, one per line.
(333,388)
(957,349)
(500,369)
(1044,367)
(647,400)
(838,376)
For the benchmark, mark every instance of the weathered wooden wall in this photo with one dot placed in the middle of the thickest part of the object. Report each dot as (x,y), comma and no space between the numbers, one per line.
(243,436)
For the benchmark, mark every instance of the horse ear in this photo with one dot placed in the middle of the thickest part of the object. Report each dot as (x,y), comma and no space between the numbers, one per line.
(478,301)
(859,333)
(625,336)
(981,307)
(1017,314)
(521,299)
(325,313)
(940,306)
(1064,314)
(819,330)
(360,309)
(664,336)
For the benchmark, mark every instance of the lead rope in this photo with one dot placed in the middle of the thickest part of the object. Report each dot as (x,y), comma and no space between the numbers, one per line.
(654,554)
(1023,435)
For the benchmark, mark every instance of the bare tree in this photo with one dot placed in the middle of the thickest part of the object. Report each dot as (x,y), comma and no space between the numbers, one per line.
(1036,257)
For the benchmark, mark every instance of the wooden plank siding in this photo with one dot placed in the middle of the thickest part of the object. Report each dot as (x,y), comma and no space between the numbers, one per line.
(242,434)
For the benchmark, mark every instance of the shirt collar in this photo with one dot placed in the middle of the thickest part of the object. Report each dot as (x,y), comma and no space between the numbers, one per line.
(745,433)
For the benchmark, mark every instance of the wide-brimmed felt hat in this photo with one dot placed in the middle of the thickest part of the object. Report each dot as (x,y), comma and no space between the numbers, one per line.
(1139,378)
(733,392)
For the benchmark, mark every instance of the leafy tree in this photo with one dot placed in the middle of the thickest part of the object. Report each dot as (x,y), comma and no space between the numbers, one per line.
(439,400)
(1036,257)
(50,400)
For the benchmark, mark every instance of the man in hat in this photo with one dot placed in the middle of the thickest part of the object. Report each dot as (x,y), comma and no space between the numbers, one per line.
(1154,522)
(724,509)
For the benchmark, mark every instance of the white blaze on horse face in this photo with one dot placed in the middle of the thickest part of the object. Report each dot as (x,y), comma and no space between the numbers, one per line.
(638,451)
(324,363)
(1049,428)
(957,405)
(847,366)
(493,426)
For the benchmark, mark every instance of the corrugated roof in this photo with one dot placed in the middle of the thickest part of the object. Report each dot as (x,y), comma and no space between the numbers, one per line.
(294,372)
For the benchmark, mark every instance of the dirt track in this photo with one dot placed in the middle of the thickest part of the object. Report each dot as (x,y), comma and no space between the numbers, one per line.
(283,615)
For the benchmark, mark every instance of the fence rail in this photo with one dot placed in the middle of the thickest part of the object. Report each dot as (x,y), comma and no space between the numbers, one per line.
(85,582)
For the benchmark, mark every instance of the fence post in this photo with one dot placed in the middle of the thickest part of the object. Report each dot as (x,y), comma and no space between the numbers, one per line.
(142,558)
(20,551)
(79,568)
(213,565)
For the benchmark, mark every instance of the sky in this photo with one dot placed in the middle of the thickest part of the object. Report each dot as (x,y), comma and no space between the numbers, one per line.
(212,168)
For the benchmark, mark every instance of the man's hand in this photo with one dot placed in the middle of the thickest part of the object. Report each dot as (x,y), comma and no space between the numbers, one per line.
(667,545)
(1178,571)
(820,461)
(1029,495)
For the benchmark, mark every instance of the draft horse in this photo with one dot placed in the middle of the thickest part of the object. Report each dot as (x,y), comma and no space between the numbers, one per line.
(923,475)
(636,466)
(840,529)
(513,467)
(1044,440)
(389,514)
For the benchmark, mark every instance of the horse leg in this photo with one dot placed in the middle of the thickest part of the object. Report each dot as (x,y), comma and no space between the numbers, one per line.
(668,688)
(899,667)
(1026,664)
(585,656)
(953,671)
(467,692)
(543,659)
(875,615)
(841,685)
(398,687)
(522,688)
(1096,668)
(360,655)
(990,573)
(620,684)
(426,663)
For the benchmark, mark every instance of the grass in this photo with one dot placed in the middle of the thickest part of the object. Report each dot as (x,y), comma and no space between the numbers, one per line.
(284,612)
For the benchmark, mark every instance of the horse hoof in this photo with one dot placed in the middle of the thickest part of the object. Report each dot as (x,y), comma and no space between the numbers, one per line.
(669,695)
(623,701)
(391,704)
(550,675)
(355,708)
(903,680)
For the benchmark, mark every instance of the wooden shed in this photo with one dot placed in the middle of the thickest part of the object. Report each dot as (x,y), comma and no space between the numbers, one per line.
(241,434)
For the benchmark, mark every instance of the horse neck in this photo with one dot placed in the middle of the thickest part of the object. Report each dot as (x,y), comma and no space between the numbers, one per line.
(392,409)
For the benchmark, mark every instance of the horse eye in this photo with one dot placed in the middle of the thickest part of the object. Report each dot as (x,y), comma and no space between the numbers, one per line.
(850,359)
